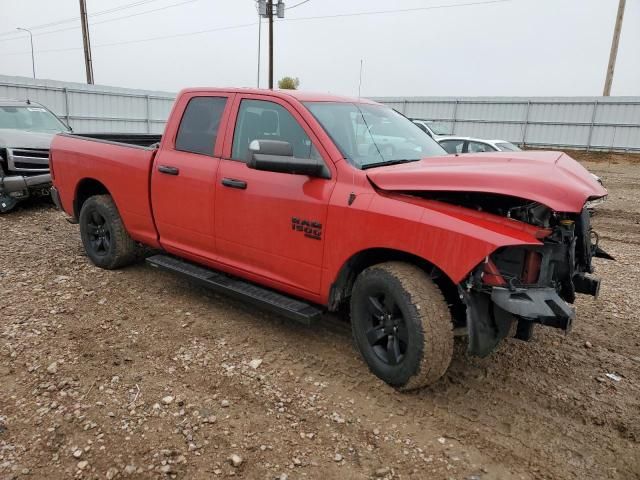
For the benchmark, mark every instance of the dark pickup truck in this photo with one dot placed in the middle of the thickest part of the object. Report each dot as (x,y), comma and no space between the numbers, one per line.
(302,203)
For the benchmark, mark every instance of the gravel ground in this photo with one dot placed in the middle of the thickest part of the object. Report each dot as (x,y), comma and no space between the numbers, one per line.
(137,374)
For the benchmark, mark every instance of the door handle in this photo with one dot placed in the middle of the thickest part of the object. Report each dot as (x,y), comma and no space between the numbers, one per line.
(168,170)
(233,183)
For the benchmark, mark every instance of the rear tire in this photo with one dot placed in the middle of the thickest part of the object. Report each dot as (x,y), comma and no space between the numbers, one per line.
(401,325)
(105,239)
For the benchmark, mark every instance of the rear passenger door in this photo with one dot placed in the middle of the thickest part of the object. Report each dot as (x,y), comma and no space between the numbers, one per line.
(183,182)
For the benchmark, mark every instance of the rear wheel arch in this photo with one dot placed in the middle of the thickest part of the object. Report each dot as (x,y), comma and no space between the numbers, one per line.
(87,188)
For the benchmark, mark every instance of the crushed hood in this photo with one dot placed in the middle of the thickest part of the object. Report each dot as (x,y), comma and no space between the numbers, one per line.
(551,178)
(25,139)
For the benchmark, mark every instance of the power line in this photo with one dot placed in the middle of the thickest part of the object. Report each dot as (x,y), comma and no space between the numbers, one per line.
(75,27)
(233,27)
(74,19)
(297,4)
(141,40)
(400,10)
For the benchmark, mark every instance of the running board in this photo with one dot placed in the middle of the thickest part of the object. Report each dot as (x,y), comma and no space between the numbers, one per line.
(270,300)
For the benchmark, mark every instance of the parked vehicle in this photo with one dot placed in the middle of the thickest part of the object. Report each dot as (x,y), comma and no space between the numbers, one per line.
(432,128)
(475,145)
(26,131)
(285,200)
(456,145)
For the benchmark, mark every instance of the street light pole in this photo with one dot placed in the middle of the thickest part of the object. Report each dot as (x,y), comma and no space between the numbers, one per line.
(33,61)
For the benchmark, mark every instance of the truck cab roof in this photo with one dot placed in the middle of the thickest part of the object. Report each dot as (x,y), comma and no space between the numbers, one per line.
(300,95)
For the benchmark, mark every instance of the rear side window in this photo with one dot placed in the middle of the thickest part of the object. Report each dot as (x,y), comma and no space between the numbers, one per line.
(264,120)
(452,146)
(198,129)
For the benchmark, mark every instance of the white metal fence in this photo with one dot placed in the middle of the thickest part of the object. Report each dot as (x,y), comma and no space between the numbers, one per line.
(93,108)
(596,123)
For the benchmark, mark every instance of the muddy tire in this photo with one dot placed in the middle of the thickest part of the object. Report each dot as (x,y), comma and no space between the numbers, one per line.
(103,234)
(401,325)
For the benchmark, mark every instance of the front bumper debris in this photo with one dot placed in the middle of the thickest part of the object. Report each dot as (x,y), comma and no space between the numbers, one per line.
(19,186)
(538,305)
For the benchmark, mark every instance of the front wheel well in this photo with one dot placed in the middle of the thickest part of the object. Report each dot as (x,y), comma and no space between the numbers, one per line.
(343,284)
(87,188)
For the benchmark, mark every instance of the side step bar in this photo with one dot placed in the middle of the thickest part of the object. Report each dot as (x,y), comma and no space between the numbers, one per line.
(270,300)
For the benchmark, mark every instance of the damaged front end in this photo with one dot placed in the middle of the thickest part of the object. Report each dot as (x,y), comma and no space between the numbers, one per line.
(532,284)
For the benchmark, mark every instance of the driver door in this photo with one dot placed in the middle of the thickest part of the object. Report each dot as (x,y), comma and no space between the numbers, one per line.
(261,216)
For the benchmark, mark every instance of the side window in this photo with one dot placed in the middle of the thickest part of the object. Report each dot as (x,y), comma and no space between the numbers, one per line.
(477,147)
(264,120)
(199,125)
(452,146)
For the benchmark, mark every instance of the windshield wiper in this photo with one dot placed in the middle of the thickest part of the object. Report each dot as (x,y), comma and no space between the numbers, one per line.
(389,162)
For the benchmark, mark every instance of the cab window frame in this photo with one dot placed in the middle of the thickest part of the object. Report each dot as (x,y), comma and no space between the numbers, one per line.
(278,105)
(218,138)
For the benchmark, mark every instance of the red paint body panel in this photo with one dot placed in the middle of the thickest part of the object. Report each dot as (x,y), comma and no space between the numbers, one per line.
(123,170)
(249,232)
(190,227)
(551,178)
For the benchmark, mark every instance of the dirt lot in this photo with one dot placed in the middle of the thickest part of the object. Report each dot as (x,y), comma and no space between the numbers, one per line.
(137,374)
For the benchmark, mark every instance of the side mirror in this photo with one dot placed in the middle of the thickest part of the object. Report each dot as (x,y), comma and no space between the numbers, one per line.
(277,156)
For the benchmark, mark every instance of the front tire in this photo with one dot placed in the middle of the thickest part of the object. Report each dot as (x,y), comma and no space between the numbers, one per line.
(401,325)
(105,239)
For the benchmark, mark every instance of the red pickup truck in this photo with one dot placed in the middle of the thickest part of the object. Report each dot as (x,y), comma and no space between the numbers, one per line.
(301,203)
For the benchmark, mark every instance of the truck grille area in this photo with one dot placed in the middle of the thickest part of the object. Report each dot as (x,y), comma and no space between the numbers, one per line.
(27,161)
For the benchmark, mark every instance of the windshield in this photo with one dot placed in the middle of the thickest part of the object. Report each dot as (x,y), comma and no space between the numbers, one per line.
(371,135)
(438,128)
(33,118)
(507,147)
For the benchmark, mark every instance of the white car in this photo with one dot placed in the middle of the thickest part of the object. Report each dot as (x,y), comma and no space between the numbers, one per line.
(475,145)
(435,130)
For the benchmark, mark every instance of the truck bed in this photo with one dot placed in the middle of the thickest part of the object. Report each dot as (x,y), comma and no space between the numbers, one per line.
(120,163)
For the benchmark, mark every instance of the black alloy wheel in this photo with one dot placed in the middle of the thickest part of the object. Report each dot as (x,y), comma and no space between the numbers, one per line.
(104,236)
(388,335)
(401,324)
(99,234)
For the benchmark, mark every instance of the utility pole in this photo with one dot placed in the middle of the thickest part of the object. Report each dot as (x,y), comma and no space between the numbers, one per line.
(270,13)
(360,81)
(259,41)
(33,61)
(614,49)
(86,42)
(265,9)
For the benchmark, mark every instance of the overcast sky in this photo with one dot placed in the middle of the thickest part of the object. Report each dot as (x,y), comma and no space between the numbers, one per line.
(510,47)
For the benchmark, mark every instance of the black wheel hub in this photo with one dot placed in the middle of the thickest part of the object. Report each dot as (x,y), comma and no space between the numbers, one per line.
(387,330)
(99,233)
